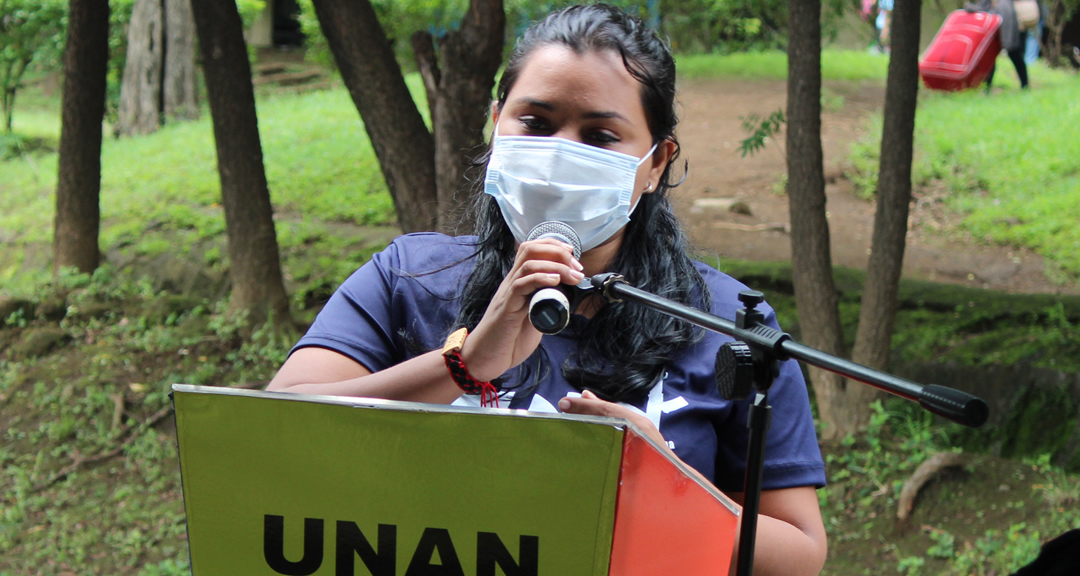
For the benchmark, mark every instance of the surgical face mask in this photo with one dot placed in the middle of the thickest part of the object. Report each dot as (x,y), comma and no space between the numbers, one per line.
(539,178)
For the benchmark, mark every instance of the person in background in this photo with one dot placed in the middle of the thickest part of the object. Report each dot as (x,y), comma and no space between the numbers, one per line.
(884,24)
(1033,38)
(1012,39)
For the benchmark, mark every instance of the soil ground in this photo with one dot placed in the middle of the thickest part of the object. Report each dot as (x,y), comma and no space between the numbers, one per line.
(710,134)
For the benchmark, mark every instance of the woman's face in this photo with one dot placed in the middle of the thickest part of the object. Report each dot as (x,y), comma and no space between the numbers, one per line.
(588,98)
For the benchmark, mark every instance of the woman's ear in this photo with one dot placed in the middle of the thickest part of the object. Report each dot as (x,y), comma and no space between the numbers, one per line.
(665,150)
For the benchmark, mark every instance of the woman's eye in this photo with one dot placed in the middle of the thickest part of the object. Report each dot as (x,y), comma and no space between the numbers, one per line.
(533,124)
(603,138)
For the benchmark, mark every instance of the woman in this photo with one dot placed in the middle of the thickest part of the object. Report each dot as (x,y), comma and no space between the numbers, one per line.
(587,91)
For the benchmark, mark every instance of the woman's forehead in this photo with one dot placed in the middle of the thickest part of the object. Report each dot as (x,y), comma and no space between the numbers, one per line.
(591,81)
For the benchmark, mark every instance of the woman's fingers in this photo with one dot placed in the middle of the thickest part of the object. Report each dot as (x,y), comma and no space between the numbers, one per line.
(590,404)
(504,337)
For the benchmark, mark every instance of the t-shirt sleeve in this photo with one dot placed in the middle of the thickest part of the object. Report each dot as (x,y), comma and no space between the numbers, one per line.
(358,320)
(792,454)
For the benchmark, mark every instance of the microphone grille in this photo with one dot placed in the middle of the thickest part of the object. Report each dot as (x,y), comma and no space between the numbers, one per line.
(558,230)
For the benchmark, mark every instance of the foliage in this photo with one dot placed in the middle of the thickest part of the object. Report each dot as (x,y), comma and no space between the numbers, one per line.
(970,522)
(1058,15)
(724,26)
(760,129)
(1015,173)
(31,32)
(730,26)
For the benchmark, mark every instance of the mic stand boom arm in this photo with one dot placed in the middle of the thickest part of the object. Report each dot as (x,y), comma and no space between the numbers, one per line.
(949,403)
(758,363)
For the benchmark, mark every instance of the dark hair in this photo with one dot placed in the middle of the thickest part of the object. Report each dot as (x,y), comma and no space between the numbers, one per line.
(624,348)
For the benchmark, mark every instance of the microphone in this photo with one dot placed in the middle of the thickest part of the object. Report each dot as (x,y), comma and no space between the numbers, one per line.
(549,308)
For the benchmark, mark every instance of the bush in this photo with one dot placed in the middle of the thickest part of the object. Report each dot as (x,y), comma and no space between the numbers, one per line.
(31,32)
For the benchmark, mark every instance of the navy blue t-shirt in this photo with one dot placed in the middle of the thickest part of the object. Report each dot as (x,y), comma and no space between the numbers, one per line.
(412,287)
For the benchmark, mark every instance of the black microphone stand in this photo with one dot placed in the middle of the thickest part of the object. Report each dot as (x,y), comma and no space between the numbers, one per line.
(753,361)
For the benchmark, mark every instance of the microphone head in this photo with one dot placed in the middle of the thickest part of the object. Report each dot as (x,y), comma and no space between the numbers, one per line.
(559,231)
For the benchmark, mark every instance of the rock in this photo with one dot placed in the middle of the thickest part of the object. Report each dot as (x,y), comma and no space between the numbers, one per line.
(38,342)
(728,204)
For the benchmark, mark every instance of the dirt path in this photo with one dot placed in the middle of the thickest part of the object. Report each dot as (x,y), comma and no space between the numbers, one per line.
(710,133)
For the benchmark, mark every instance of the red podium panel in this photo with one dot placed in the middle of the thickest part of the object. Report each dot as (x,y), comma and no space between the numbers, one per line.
(963,51)
(665,521)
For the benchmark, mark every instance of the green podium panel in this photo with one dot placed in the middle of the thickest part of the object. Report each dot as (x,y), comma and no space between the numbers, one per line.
(289,484)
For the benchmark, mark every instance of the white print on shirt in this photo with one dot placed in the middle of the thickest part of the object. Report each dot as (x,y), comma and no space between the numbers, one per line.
(654,407)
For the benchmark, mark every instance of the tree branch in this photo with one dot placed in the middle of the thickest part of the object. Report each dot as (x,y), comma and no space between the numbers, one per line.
(423,46)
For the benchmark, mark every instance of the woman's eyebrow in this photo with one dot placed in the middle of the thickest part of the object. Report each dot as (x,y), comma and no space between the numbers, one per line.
(605,115)
(594,115)
(534,102)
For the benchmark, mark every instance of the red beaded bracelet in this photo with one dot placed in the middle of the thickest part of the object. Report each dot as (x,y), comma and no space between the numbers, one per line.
(489,395)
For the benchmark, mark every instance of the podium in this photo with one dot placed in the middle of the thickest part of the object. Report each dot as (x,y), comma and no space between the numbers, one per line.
(293,484)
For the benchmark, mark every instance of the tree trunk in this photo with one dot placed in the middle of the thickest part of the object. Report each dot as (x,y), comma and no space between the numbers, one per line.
(403,145)
(140,90)
(811,260)
(86,59)
(1059,12)
(254,265)
(459,85)
(180,97)
(879,300)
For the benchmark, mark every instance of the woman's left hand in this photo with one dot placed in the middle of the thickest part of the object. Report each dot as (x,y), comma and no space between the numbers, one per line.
(591,405)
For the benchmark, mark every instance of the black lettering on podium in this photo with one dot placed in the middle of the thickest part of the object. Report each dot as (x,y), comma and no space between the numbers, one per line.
(435,539)
(274,546)
(352,543)
(490,551)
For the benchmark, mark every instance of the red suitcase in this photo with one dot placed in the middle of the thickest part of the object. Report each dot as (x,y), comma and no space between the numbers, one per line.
(963,51)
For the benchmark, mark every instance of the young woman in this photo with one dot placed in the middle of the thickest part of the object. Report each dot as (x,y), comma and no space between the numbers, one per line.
(584,134)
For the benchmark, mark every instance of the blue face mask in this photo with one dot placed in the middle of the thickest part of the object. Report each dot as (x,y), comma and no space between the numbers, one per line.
(535,179)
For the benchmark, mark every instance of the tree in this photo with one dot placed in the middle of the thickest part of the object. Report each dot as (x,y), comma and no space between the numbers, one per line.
(30,30)
(811,260)
(140,91)
(1059,12)
(254,265)
(159,71)
(844,406)
(86,58)
(180,96)
(423,171)
(459,74)
(877,313)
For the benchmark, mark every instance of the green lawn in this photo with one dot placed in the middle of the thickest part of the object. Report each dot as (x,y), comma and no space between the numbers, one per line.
(161,192)
(835,65)
(1009,161)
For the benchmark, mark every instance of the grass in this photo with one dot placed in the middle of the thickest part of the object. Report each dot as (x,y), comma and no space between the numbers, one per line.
(772,64)
(1008,161)
(987,517)
(160,193)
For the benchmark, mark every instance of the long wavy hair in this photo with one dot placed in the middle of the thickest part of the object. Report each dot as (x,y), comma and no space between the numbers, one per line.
(624,348)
